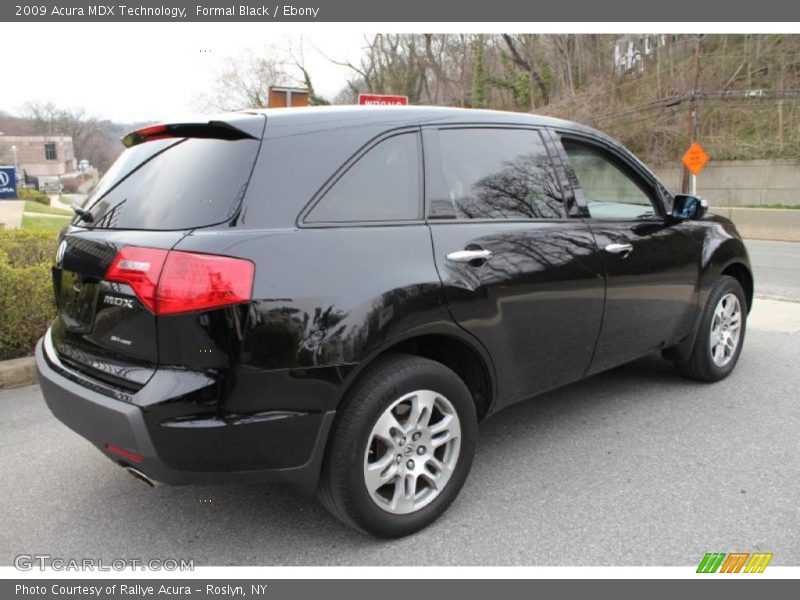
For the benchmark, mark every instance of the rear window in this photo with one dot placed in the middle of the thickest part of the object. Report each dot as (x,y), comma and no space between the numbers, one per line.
(173,184)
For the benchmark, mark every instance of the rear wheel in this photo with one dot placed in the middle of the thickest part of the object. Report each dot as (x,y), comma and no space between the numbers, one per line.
(721,334)
(401,449)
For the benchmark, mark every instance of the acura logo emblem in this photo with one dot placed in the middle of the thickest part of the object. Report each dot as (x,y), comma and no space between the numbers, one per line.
(62,249)
(4,179)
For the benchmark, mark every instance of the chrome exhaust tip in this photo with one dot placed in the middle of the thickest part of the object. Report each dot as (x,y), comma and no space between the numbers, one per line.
(137,474)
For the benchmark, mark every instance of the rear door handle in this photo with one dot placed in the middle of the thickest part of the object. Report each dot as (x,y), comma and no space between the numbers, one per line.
(623,249)
(465,256)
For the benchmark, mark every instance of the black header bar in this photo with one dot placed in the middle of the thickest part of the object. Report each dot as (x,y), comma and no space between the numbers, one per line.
(433,11)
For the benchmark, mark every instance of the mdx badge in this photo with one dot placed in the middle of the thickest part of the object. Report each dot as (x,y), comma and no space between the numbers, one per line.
(116,301)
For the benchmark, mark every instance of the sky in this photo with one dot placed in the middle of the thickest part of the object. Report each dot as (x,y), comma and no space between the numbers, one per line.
(131,72)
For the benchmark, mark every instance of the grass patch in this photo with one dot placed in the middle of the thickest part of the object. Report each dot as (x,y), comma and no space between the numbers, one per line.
(35,207)
(33,195)
(53,224)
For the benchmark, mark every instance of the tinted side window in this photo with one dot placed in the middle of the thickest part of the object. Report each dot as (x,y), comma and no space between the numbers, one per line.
(610,193)
(383,185)
(499,174)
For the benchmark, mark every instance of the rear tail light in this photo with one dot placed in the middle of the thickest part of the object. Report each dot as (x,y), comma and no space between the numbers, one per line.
(140,269)
(201,281)
(170,282)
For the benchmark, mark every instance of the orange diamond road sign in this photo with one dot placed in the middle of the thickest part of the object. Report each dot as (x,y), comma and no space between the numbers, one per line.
(695,158)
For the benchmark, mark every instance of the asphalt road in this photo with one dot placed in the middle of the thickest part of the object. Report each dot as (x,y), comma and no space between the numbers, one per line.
(632,467)
(776,268)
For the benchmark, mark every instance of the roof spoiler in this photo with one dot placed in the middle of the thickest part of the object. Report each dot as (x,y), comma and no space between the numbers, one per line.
(218,130)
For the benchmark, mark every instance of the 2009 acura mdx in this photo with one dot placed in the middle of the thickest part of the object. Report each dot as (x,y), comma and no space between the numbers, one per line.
(336,297)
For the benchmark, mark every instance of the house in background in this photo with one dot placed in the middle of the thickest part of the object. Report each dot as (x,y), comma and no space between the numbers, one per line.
(39,155)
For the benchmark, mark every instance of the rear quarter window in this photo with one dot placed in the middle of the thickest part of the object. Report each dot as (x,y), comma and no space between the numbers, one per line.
(382,185)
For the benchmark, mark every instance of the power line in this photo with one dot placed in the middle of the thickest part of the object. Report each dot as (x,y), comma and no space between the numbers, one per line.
(749,96)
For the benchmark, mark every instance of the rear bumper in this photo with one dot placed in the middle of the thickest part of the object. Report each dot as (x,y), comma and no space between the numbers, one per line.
(127,422)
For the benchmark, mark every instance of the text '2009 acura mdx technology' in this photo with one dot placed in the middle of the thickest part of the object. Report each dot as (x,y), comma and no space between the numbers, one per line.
(336,297)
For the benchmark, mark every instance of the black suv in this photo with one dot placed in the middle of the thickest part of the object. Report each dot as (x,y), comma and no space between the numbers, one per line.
(335,297)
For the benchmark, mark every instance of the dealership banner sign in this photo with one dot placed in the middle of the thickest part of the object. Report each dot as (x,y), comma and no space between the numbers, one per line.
(8,182)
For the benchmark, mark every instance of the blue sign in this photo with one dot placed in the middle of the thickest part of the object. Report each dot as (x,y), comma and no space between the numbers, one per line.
(8,182)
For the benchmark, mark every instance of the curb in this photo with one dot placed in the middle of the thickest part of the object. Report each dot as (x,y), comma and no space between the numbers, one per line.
(17,372)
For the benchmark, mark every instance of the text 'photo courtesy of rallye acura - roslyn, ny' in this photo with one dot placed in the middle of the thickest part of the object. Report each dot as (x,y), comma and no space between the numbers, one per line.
(336,297)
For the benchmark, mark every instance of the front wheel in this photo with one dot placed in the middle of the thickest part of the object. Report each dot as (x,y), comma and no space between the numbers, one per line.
(721,334)
(401,449)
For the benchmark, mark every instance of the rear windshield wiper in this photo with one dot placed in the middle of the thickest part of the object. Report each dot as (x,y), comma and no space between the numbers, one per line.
(83,215)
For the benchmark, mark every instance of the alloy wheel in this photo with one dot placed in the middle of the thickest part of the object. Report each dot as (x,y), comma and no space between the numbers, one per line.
(412,452)
(726,330)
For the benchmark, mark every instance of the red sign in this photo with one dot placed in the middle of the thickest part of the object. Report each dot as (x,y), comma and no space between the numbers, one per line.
(382,100)
(695,158)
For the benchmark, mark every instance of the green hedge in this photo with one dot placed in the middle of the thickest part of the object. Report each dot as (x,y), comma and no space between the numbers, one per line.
(26,290)
(35,195)
(27,247)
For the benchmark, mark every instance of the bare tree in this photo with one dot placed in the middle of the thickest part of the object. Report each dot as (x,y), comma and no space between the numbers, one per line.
(298,57)
(634,86)
(89,136)
(245,81)
(528,63)
(391,63)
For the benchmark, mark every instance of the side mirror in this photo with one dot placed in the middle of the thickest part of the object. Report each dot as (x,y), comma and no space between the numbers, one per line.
(686,207)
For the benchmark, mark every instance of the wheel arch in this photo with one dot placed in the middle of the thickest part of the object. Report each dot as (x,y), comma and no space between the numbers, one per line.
(728,260)
(449,346)
(741,273)
(724,253)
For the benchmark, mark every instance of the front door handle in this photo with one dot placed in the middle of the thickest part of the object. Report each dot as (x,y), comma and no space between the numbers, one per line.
(465,256)
(623,249)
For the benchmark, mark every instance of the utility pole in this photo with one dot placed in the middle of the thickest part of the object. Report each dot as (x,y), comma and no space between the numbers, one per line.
(780,107)
(692,123)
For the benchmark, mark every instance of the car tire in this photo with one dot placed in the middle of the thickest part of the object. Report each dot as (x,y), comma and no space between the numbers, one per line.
(714,356)
(372,443)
